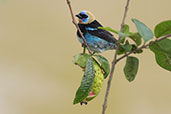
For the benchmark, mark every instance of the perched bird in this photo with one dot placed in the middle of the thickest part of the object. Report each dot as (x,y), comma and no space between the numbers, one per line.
(98,40)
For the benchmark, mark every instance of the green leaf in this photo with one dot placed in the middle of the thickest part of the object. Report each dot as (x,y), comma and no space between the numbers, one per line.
(86,83)
(134,47)
(131,68)
(114,31)
(126,29)
(163,60)
(104,65)
(124,48)
(109,29)
(126,32)
(162,51)
(143,30)
(163,46)
(136,37)
(139,51)
(81,59)
(163,28)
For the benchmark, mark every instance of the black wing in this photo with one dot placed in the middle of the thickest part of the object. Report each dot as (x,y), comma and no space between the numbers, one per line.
(103,34)
(82,28)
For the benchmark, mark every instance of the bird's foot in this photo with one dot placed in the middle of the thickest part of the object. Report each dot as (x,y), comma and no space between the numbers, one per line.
(93,53)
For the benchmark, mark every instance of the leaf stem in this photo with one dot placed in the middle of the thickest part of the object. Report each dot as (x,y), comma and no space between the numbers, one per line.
(76,25)
(114,60)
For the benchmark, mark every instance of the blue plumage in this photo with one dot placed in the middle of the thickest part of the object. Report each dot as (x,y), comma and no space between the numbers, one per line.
(97,44)
(98,40)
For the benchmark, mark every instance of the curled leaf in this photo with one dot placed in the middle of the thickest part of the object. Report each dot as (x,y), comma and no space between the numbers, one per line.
(97,83)
(91,83)
(86,83)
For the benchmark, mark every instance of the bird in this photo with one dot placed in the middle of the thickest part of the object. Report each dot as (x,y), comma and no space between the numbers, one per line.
(98,40)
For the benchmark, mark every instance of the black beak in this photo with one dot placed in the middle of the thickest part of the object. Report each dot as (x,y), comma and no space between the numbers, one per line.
(78,16)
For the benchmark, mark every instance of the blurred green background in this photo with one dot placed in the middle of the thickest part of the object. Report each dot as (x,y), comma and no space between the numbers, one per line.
(38,42)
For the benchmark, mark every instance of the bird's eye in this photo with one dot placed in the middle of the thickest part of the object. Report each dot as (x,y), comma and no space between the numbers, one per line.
(83,15)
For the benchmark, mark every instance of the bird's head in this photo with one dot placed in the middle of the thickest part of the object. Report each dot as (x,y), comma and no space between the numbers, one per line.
(85,17)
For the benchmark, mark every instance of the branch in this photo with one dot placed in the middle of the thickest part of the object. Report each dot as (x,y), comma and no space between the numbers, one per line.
(76,25)
(142,47)
(114,59)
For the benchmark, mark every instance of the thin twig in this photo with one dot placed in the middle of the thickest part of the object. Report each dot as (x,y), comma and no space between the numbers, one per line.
(76,25)
(114,59)
(144,46)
